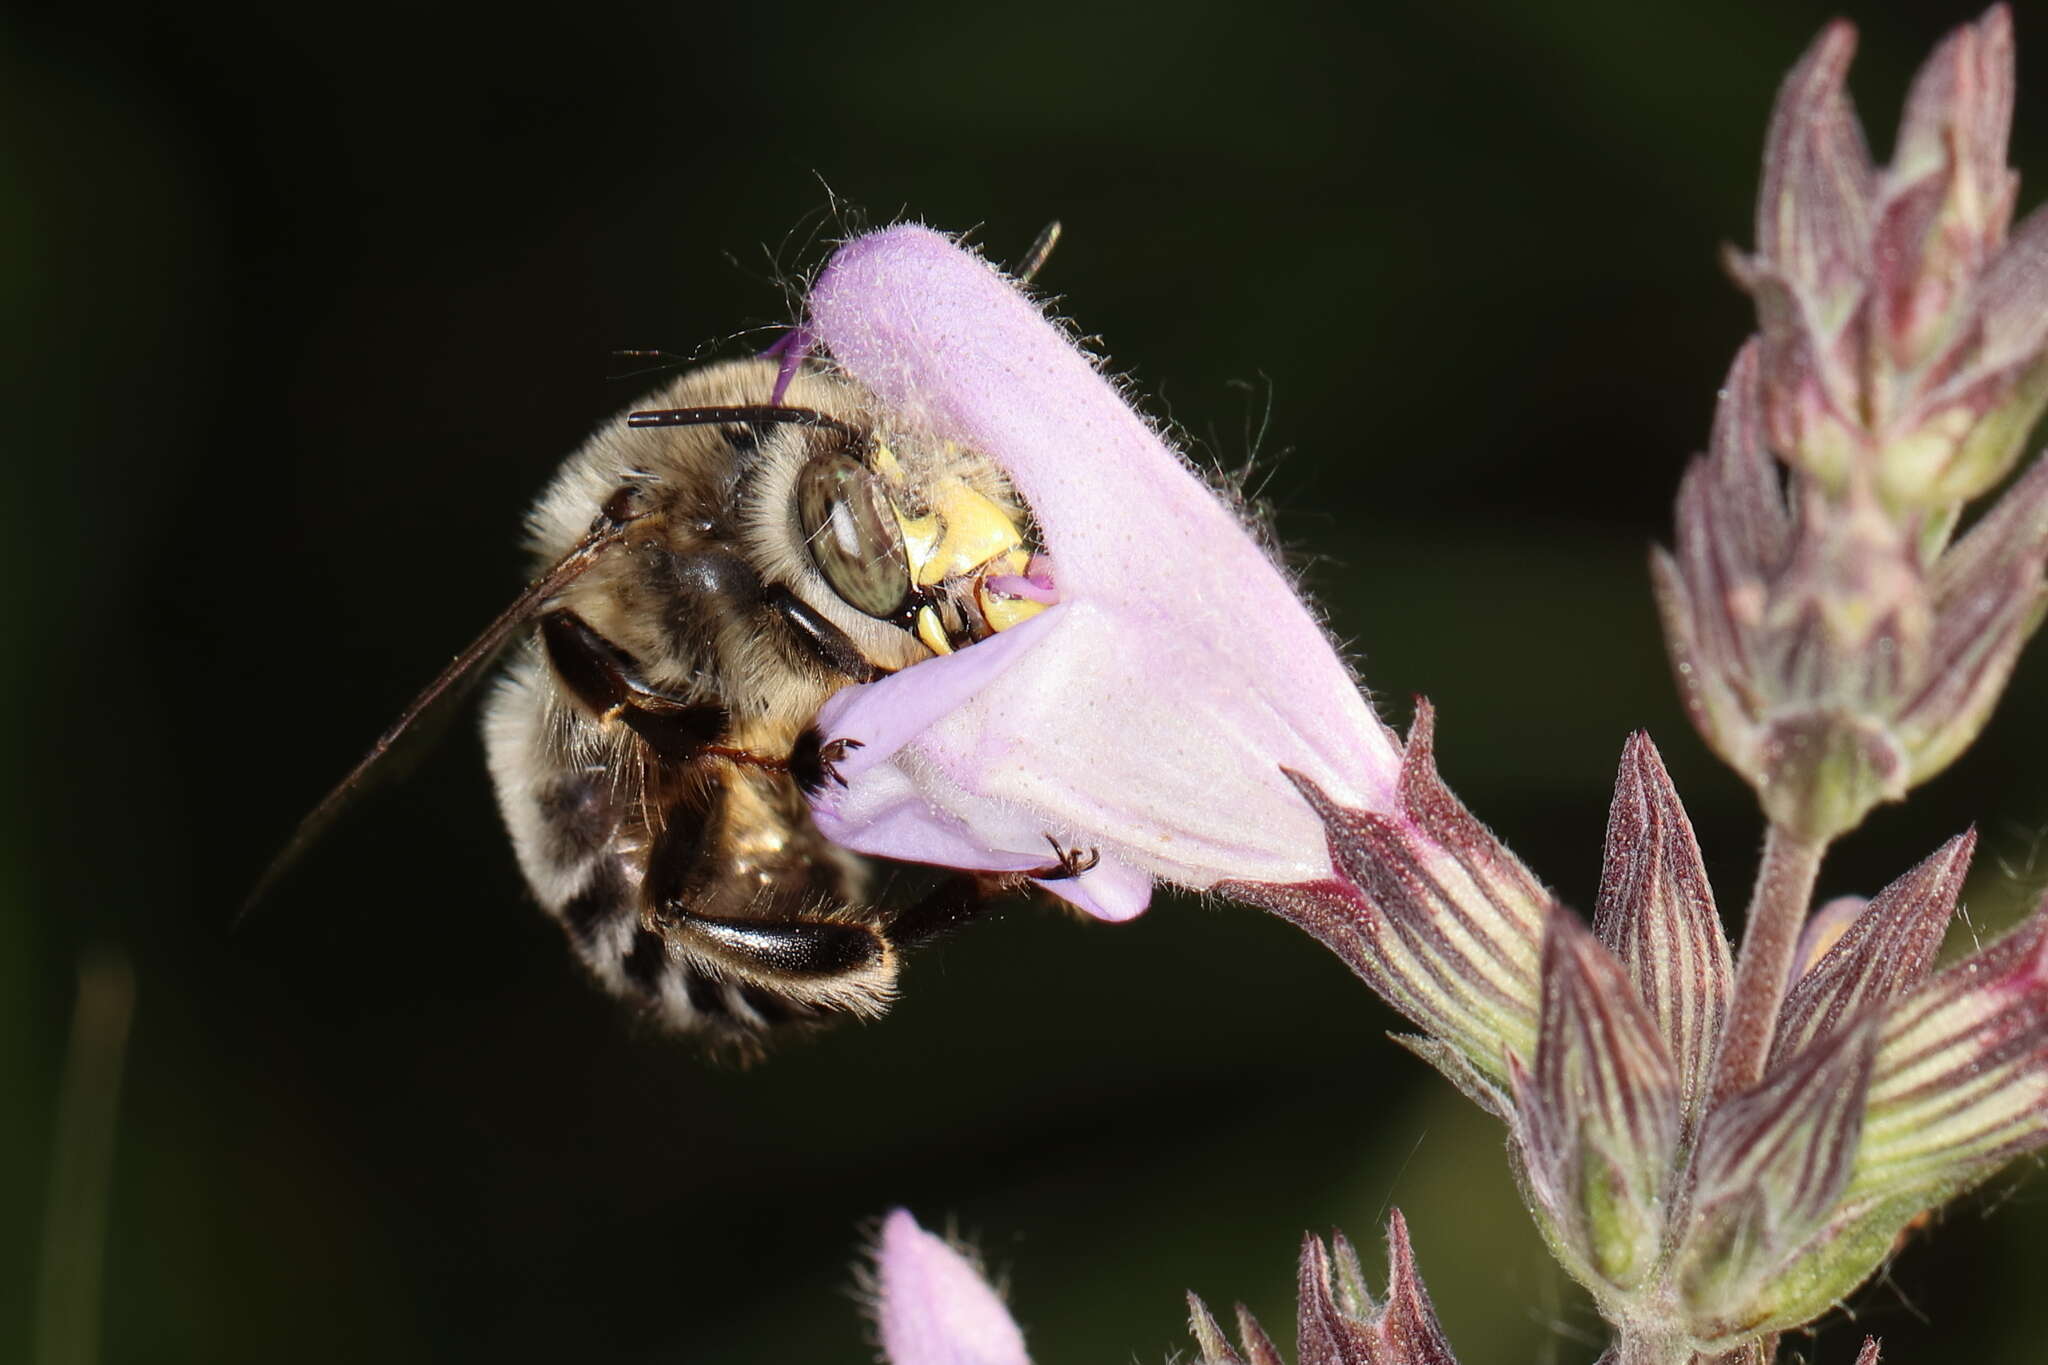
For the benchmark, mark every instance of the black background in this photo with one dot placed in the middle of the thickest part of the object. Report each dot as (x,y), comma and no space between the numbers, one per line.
(302,307)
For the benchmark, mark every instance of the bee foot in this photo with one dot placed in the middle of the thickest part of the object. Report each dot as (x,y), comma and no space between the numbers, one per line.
(1068,863)
(831,755)
(815,760)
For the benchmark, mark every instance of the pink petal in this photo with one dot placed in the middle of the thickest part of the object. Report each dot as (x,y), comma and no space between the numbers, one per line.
(935,1309)
(1109,890)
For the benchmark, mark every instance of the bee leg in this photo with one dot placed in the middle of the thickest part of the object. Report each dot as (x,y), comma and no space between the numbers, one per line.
(829,644)
(606,679)
(784,946)
(814,761)
(1068,863)
(958,899)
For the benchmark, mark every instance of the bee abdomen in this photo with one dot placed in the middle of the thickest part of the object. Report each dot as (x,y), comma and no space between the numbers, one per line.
(693,889)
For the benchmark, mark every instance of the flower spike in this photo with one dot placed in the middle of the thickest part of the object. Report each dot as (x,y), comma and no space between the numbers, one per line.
(1719,1151)
(1830,643)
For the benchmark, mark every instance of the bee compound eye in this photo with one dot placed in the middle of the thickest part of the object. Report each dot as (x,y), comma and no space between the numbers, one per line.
(851,535)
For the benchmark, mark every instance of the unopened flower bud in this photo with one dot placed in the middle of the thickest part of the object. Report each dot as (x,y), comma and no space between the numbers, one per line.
(1656,913)
(1884,1096)
(1830,642)
(1339,1324)
(1770,1167)
(1903,332)
(933,1306)
(1827,649)
(1597,1124)
(1960,1084)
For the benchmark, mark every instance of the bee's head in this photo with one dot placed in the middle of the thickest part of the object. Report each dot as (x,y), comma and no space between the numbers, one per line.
(926,543)
(838,546)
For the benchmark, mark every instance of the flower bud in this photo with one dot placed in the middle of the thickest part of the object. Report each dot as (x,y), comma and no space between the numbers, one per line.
(1597,1124)
(1880,953)
(1903,333)
(1824,649)
(1339,1323)
(933,1306)
(1884,1096)
(1656,912)
(1960,1084)
(1758,1253)
(1830,643)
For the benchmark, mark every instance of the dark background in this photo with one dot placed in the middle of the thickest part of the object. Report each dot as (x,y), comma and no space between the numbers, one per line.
(301,308)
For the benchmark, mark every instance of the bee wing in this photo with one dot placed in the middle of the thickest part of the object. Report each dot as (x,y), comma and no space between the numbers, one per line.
(449,687)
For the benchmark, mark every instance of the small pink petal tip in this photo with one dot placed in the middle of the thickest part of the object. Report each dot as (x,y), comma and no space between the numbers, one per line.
(934,1307)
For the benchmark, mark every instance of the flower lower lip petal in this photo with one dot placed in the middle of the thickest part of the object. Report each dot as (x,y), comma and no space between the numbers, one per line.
(1110,890)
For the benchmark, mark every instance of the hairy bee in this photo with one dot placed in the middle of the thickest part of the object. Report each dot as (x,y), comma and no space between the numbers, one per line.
(650,741)
(711,570)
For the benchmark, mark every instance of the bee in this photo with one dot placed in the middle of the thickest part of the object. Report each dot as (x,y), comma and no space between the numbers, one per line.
(651,741)
(711,568)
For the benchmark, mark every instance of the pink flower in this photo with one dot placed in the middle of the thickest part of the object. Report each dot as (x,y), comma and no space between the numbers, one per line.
(1146,716)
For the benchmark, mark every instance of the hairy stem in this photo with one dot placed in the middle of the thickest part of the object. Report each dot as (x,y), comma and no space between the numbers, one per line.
(1777,912)
(1633,1347)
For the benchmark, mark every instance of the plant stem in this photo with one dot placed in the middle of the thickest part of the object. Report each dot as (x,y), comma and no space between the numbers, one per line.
(1634,1347)
(1777,912)
(75,1216)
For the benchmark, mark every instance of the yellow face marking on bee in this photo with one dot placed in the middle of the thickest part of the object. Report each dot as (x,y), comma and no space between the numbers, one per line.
(966,532)
(920,534)
(1003,612)
(931,632)
(975,530)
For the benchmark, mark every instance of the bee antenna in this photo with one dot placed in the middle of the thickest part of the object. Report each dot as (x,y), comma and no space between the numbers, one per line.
(1041,248)
(745,414)
(662,360)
